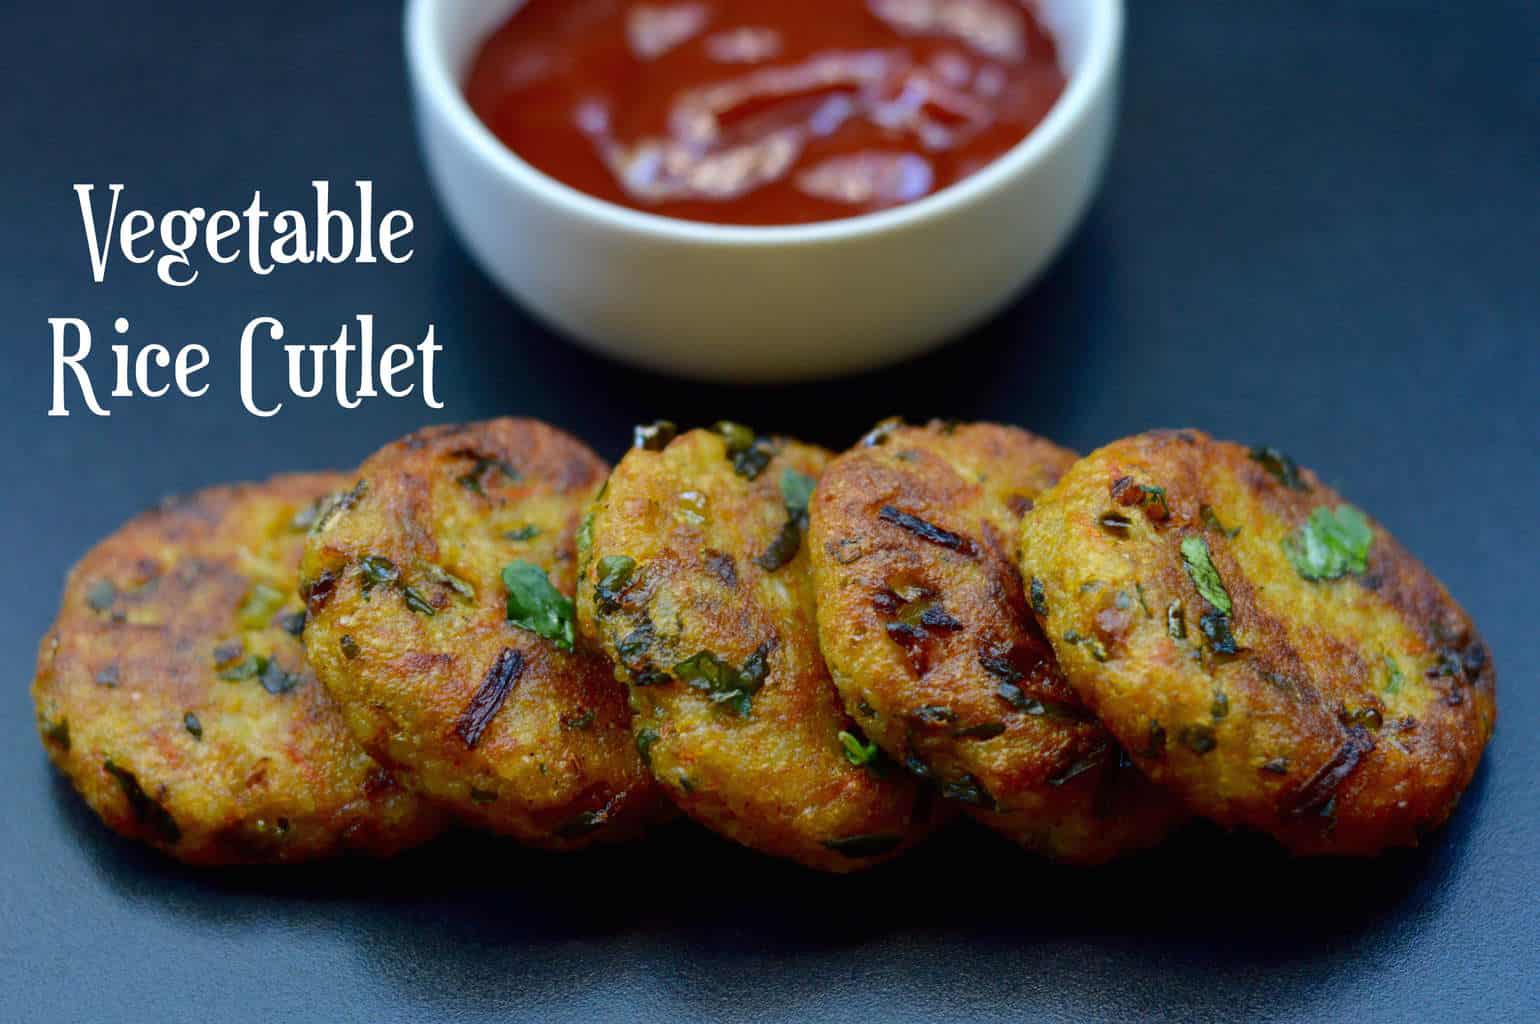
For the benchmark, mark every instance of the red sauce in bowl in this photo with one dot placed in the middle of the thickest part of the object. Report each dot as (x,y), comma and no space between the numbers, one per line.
(764,111)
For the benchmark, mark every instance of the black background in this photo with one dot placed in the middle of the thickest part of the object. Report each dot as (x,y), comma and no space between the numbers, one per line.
(1320,230)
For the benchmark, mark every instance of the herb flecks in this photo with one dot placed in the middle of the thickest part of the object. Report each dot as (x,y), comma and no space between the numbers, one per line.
(1393,677)
(476,478)
(633,648)
(417,602)
(252,667)
(1018,699)
(228,653)
(797,493)
(146,811)
(928,531)
(1369,717)
(536,605)
(1459,664)
(1199,739)
(1038,597)
(615,573)
(1216,626)
(721,565)
(982,731)
(748,453)
(305,518)
(275,680)
(1093,645)
(1199,562)
(444,578)
(729,687)
(645,738)
(1000,667)
(920,623)
(967,789)
(336,504)
(1330,544)
(194,727)
(377,571)
(1284,469)
(100,595)
(489,696)
(858,751)
(1007,689)
(935,714)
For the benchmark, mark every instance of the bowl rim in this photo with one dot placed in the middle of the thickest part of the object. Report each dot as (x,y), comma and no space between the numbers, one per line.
(431,73)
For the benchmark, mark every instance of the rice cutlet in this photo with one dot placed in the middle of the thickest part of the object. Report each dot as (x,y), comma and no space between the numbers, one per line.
(439,591)
(696,582)
(1260,646)
(174,692)
(926,628)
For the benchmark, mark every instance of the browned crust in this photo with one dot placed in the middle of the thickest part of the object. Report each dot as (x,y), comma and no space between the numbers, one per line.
(777,778)
(132,709)
(1317,744)
(975,702)
(541,750)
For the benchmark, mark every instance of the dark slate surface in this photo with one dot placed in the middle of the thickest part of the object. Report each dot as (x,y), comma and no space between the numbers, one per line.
(1319,231)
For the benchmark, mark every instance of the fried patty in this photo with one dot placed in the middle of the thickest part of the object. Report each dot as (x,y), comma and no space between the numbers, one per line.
(174,693)
(440,620)
(926,629)
(696,582)
(1261,647)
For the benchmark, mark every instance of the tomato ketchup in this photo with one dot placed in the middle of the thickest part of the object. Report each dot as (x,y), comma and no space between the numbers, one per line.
(764,112)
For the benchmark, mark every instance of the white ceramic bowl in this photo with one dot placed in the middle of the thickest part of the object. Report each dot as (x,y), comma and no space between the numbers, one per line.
(763,303)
